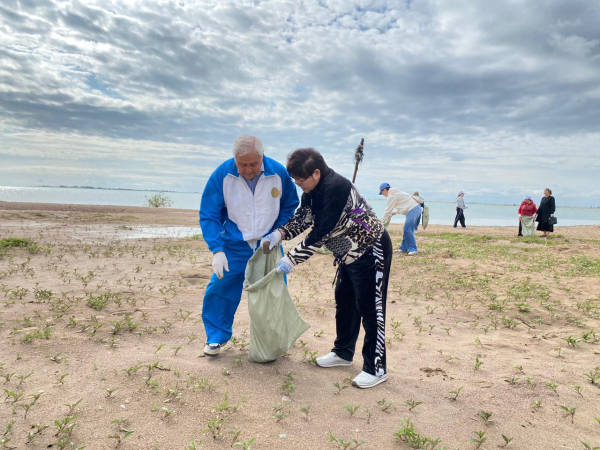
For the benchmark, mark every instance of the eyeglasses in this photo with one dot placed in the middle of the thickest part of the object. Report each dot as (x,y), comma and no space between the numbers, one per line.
(302,181)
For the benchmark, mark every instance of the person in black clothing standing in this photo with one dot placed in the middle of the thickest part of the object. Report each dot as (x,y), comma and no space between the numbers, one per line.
(345,224)
(460,210)
(545,211)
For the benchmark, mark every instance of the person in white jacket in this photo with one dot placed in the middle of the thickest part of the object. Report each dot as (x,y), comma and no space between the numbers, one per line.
(399,202)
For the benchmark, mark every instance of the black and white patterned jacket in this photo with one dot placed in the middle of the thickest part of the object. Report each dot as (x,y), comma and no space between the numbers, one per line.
(341,220)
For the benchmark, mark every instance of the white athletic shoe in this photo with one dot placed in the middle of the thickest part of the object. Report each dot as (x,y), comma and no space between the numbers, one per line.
(332,360)
(212,349)
(365,380)
(412,253)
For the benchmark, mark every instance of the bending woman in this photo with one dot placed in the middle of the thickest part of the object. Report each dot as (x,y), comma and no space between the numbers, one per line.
(526,212)
(345,224)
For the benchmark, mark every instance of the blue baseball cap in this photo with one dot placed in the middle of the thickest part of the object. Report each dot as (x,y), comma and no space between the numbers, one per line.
(383,186)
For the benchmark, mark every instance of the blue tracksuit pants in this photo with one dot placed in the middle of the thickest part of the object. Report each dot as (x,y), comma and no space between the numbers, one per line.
(222,296)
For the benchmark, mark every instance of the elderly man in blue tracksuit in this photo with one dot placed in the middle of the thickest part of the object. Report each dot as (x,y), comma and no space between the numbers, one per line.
(245,199)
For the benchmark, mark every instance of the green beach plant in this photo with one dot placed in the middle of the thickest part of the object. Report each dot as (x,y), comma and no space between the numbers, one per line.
(479,439)
(344,445)
(352,409)
(569,411)
(412,404)
(306,411)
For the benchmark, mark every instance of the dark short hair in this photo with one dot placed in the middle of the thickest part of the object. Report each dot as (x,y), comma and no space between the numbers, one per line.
(549,190)
(303,162)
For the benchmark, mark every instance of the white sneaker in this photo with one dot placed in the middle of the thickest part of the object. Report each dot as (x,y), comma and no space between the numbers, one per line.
(412,253)
(212,349)
(365,380)
(332,360)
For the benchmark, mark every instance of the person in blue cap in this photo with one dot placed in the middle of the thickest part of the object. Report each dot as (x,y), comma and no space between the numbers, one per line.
(399,202)
(245,199)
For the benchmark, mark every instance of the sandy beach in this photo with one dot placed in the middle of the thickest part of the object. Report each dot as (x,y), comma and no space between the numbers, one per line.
(486,333)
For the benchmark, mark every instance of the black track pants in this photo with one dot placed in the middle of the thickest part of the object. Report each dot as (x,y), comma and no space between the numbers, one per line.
(360,293)
(460,216)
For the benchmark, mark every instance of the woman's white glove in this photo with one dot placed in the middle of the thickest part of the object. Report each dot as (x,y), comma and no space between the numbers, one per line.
(285,265)
(273,239)
(220,264)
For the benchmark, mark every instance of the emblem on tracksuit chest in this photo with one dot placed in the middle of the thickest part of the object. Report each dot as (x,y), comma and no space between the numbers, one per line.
(274,192)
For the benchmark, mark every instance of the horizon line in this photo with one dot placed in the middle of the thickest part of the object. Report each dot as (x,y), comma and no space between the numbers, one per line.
(195,192)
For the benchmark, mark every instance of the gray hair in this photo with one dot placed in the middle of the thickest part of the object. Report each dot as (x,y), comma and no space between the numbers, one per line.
(246,144)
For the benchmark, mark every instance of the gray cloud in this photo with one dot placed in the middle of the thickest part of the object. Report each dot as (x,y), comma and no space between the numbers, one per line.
(448,94)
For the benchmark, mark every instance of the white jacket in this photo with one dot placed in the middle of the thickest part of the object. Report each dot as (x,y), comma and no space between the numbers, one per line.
(400,201)
(230,215)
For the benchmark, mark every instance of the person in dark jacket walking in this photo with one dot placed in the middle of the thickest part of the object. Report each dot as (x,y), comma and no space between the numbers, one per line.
(546,210)
(460,210)
(345,224)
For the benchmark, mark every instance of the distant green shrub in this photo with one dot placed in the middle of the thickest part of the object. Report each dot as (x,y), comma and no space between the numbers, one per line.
(158,200)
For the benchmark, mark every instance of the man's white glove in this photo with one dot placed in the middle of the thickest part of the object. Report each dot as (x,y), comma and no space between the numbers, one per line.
(285,265)
(220,264)
(273,239)
(551,215)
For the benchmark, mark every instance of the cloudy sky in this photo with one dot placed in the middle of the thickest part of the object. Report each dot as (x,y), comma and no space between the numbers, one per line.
(499,99)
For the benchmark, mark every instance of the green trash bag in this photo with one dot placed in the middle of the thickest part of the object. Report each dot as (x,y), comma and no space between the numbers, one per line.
(275,323)
(425,216)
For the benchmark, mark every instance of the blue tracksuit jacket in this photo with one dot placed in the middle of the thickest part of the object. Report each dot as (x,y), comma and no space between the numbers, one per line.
(234,220)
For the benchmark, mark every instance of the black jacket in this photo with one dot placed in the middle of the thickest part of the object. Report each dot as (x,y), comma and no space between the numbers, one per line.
(340,217)
(546,208)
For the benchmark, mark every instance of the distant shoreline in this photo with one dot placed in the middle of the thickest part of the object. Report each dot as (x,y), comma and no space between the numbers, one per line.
(515,205)
(112,189)
(192,214)
(512,204)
